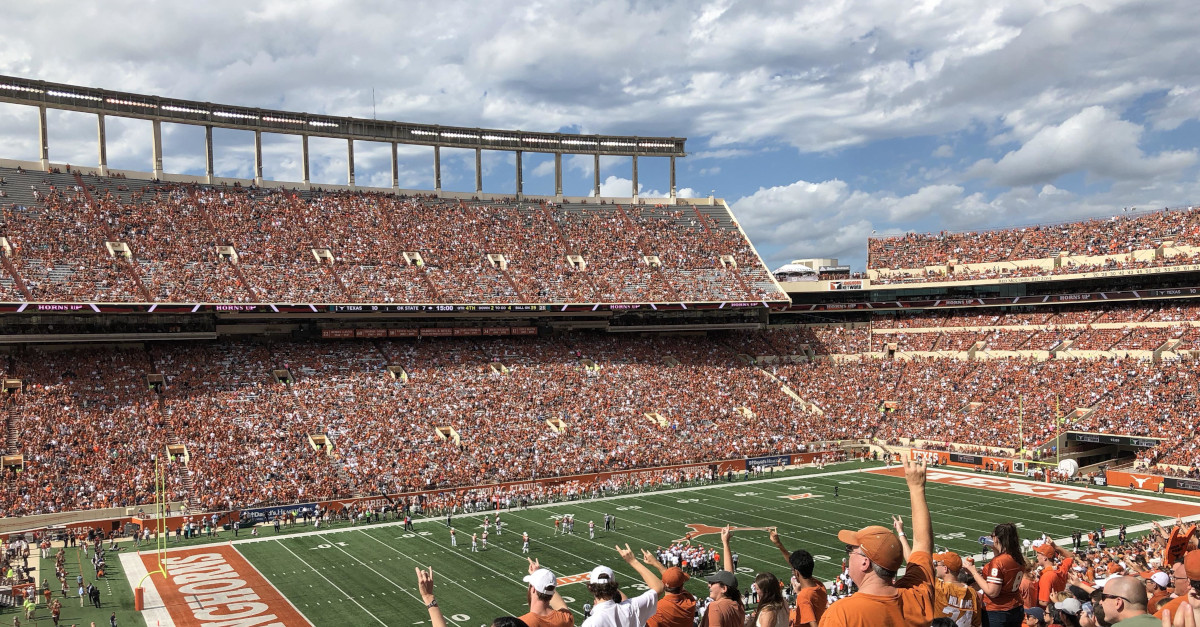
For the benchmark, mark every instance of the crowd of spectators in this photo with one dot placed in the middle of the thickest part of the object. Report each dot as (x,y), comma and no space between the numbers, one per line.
(190,243)
(1117,235)
(463,411)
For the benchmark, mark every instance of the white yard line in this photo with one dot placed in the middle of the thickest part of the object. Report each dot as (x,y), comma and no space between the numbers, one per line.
(264,578)
(333,585)
(154,612)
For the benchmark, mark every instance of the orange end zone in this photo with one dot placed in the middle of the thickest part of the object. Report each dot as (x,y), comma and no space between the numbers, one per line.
(215,584)
(1129,503)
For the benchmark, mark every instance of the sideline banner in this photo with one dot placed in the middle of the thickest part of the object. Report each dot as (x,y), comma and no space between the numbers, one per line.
(1149,482)
(266,514)
(768,461)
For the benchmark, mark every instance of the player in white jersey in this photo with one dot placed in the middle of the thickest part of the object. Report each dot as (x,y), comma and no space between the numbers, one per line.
(524,542)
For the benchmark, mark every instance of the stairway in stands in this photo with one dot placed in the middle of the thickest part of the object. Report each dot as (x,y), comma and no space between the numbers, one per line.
(172,436)
(12,416)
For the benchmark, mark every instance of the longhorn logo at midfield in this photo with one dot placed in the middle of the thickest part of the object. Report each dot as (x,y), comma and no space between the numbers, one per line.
(700,529)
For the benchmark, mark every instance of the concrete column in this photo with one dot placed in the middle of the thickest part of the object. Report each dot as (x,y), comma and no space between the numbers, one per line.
(558,174)
(350,162)
(437,169)
(596,169)
(395,169)
(304,172)
(102,145)
(208,154)
(478,171)
(672,178)
(519,175)
(43,140)
(258,177)
(635,185)
(156,148)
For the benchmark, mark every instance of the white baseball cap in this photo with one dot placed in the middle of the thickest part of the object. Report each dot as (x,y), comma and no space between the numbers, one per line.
(1161,579)
(601,574)
(542,580)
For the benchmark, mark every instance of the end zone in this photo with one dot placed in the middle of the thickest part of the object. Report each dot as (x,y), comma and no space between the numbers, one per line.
(1071,494)
(209,585)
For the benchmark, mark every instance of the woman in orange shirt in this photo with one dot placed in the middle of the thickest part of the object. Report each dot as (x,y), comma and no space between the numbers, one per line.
(1001,579)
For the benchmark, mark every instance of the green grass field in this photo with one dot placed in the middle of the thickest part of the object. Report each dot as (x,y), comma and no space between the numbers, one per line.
(364,575)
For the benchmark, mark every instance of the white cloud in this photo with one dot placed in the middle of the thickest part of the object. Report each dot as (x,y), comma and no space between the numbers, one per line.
(1095,141)
(617,187)
(831,219)
(1182,104)
(945,151)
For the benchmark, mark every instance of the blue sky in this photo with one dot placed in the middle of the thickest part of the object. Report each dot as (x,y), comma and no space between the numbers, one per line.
(819,122)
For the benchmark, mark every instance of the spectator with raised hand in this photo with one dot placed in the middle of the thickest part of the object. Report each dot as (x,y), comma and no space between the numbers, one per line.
(1054,577)
(811,595)
(726,608)
(875,555)
(1002,584)
(425,586)
(952,598)
(436,618)
(677,606)
(612,609)
(546,605)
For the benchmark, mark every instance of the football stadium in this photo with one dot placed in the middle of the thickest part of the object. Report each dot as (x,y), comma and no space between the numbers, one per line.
(246,401)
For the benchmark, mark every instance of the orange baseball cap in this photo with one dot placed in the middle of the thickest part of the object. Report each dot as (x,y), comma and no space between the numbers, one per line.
(951,559)
(1114,568)
(674,577)
(879,544)
(1191,565)
(1046,550)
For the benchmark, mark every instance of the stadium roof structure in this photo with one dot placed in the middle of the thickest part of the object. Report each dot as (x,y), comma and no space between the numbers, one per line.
(102,102)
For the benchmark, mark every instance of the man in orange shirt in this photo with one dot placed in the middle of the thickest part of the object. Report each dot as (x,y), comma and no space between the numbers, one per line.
(875,554)
(676,606)
(951,598)
(1054,578)
(811,596)
(546,606)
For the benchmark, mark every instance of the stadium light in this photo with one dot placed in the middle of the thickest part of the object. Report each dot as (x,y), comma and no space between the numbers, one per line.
(20,88)
(131,103)
(233,114)
(183,109)
(67,94)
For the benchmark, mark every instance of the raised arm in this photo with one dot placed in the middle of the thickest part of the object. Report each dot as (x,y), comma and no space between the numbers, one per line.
(898,523)
(726,557)
(787,557)
(648,576)
(649,559)
(914,474)
(425,586)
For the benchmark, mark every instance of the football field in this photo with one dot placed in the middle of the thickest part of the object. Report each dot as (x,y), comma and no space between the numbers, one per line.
(364,575)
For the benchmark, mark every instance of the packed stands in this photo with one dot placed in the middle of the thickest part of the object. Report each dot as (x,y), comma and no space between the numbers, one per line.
(280,421)
(1134,240)
(186,243)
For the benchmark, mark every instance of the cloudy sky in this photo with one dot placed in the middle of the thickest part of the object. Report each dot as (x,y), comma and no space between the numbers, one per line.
(819,122)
